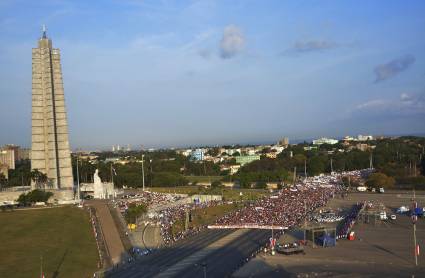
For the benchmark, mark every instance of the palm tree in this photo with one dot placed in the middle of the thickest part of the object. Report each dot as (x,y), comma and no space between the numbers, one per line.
(39,178)
(3,180)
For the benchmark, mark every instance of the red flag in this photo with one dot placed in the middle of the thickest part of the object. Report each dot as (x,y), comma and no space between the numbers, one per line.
(417,250)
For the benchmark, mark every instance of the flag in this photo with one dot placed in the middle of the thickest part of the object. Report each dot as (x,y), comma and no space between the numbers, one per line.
(113,169)
(417,250)
(414,218)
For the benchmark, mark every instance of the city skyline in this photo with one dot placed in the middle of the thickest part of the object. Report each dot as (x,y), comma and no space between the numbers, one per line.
(205,73)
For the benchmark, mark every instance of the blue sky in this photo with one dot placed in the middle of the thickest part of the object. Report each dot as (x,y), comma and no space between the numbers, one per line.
(173,73)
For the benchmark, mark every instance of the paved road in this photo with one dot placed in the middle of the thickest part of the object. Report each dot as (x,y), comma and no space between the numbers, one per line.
(221,262)
(226,260)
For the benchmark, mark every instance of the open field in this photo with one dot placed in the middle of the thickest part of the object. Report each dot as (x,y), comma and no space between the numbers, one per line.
(62,236)
(381,249)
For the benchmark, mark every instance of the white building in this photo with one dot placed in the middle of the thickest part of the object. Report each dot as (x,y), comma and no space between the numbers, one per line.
(325,140)
(364,137)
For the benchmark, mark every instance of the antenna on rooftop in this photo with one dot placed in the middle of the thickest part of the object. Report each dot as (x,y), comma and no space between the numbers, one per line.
(44,31)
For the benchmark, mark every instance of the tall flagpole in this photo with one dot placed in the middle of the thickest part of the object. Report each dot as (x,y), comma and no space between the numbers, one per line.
(414,219)
(41,266)
(78,179)
(112,175)
(143,172)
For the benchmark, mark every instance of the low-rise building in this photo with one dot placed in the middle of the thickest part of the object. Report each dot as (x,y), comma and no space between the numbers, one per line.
(325,140)
(272,155)
(234,169)
(7,157)
(244,159)
(198,155)
(364,137)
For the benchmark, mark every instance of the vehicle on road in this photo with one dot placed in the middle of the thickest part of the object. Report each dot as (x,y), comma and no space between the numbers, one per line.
(402,210)
(290,249)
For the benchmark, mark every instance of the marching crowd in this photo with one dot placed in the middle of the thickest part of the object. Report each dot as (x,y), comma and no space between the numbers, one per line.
(147,198)
(291,205)
(349,221)
(167,217)
(286,209)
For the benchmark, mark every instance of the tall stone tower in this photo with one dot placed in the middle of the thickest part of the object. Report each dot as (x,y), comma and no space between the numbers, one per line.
(50,152)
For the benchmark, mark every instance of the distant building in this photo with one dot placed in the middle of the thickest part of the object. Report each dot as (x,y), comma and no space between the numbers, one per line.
(186,153)
(7,157)
(244,159)
(272,155)
(348,138)
(4,169)
(364,137)
(309,148)
(111,159)
(278,149)
(23,154)
(197,155)
(284,142)
(324,140)
(234,169)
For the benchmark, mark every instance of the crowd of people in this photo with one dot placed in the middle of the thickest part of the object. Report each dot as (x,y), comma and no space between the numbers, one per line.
(349,221)
(147,198)
(290,205)
(168,216)
(282,210)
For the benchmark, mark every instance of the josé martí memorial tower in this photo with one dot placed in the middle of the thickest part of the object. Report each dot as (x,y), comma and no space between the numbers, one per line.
(50,152)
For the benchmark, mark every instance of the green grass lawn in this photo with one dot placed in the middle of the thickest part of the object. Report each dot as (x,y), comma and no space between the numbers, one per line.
(205,216)
(203,178)
(62,236)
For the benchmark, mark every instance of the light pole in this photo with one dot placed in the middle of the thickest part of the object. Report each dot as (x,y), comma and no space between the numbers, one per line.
(150,163)
(78,179)
(305,219)
(204,266)
(143,172)
(414,219)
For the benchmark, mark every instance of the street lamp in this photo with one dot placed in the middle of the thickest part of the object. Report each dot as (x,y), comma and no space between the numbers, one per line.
(78,179)
(143,172)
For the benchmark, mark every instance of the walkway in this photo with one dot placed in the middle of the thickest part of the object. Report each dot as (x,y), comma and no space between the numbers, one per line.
(110,232)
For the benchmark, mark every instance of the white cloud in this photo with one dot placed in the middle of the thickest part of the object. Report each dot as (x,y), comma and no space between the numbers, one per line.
(405,104)
(232,42)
